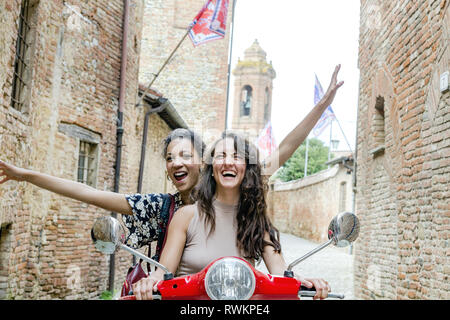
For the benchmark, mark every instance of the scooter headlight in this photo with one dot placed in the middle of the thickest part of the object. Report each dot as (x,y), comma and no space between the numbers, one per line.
(230,279)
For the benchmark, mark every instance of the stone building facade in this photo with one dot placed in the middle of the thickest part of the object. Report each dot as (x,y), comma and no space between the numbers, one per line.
(403,146)
(195,80)
(253,86)
(64,123)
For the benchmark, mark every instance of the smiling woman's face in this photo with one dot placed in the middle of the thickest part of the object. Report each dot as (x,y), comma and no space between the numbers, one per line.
(228,165)
(183,164)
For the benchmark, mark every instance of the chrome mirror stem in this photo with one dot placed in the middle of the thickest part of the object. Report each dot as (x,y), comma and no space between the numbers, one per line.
(147,259)
(293,264)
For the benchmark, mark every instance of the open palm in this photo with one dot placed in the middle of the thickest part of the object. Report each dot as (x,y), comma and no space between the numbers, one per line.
(328,97)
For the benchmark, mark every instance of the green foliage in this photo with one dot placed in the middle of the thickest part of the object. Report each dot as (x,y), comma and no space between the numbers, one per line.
(294,167)
(106,295)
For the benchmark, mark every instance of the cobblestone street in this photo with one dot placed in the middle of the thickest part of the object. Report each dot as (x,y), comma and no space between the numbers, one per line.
(335,265)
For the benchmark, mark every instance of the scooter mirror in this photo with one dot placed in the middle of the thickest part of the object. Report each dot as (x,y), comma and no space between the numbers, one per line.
(107,234)
(343,229)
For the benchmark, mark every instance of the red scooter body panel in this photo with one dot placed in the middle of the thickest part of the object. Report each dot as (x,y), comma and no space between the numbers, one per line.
(192,287)
(269,287)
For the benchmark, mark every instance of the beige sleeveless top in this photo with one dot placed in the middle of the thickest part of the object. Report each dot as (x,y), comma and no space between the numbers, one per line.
(200,249)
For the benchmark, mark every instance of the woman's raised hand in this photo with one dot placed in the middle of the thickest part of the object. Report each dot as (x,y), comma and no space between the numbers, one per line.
(328,97)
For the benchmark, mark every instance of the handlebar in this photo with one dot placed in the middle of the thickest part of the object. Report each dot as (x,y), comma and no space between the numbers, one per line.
(133,297)
(310,292)
(303,292)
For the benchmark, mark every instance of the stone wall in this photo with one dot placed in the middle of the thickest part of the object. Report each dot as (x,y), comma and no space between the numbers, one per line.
(45,247)
(306,206)
(403,151)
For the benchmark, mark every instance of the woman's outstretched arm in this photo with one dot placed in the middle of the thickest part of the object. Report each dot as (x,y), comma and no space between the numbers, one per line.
(107,200)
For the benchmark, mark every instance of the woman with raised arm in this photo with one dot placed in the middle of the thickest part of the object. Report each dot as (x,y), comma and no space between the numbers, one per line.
(183,150)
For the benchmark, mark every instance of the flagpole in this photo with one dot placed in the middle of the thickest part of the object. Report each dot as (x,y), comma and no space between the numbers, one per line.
(331,133)
(306,158)
(229,64)
(165,63)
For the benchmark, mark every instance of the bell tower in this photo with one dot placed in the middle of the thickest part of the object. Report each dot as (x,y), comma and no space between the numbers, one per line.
(252,106)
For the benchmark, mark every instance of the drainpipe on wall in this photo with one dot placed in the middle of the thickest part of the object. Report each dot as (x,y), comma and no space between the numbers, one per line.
(123,73)
(162,106)
(168,114)
(166,111)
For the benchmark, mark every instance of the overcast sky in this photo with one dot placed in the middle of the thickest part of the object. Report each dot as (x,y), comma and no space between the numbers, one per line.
(303,38)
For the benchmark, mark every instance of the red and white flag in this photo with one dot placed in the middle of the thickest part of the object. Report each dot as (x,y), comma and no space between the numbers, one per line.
(210,23)
(266,141)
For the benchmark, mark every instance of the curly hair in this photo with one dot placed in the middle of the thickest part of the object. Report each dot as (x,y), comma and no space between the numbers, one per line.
(252,219)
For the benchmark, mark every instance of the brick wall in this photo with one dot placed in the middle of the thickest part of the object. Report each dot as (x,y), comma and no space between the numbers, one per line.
(195,80)
(306,206)
(45,249)
(403,151)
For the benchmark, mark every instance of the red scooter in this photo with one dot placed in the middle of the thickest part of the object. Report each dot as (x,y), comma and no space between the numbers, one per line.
(228,278)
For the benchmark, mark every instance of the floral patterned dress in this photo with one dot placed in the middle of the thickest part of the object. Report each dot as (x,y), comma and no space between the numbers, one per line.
(149,219)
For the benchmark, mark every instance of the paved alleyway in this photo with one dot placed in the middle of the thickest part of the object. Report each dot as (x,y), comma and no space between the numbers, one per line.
(332,264)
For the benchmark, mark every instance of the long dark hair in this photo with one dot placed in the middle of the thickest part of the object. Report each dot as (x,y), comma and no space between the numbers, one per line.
(252,219)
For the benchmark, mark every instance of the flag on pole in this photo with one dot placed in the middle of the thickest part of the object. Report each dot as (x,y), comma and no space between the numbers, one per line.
(327,116)
(210,22)
(266,141)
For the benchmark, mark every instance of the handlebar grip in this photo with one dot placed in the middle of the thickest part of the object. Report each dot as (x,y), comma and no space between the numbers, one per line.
(303,288)
(311,292)
(133,297)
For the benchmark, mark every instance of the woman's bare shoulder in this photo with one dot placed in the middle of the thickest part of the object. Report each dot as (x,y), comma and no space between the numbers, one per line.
(184,215)
(188,209)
